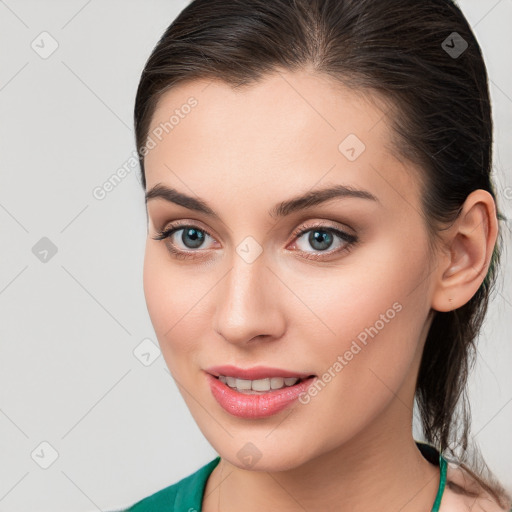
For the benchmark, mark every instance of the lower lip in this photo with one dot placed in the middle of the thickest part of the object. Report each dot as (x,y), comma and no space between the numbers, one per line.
(257,405)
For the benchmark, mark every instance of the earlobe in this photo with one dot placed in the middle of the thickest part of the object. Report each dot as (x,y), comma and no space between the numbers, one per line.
(470,240)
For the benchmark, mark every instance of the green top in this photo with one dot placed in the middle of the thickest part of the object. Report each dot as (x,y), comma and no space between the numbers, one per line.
(442,482)
(187,494)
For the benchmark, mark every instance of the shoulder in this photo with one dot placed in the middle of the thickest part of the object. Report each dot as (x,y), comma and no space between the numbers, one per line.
(188,488)
(463,493)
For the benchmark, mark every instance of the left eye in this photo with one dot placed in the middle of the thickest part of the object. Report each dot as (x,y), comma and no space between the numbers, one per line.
(322,238)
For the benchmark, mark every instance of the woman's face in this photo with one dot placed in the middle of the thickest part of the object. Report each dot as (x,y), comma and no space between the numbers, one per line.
(347,301)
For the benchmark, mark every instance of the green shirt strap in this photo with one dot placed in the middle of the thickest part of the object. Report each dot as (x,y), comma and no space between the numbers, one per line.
(443,465)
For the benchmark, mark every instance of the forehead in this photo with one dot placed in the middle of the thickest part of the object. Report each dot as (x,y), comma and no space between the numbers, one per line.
(288,130)
(284,104)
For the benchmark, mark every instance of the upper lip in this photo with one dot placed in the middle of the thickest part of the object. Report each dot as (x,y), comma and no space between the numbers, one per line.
(254,373)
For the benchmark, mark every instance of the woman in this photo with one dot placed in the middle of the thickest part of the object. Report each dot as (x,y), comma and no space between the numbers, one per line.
(322,242)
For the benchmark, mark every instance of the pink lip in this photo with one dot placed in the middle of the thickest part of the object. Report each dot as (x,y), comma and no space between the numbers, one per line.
(255,373)
(257,405)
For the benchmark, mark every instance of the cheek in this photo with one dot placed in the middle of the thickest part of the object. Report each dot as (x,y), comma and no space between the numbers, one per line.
(367,290)
(173,299)
(372,316)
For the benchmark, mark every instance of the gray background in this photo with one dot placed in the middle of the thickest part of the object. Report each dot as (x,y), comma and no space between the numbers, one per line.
(71,326)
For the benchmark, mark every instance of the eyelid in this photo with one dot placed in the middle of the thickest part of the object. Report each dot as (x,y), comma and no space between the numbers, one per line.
(175,225)
(296,232)
(323,225)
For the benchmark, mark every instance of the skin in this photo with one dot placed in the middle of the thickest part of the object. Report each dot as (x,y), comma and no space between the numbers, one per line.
(242,152)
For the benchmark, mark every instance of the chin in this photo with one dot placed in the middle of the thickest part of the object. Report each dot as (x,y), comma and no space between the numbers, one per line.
(262,456)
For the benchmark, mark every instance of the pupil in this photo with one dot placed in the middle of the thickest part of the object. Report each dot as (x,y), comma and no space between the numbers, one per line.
(320,237)
(196,236)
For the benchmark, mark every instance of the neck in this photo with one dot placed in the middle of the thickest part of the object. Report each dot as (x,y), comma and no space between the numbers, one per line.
(381,469)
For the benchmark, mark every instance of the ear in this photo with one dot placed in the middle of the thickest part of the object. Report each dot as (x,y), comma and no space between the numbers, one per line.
(468,244)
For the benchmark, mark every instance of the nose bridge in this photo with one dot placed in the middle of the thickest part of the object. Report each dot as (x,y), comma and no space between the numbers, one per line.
(246,298)
(244,292)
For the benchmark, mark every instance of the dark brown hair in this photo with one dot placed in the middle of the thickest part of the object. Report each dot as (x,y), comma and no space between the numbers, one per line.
(440,114)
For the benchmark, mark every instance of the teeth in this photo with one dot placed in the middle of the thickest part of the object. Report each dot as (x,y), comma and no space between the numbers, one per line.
(258,385)
(231,382)
(243,384)
(276,382)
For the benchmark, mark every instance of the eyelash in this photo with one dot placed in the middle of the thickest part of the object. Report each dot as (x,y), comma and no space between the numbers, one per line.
(350,240)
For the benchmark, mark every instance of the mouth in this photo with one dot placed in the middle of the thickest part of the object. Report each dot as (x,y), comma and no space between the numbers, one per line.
(257,398)
(257,380)
(260,386)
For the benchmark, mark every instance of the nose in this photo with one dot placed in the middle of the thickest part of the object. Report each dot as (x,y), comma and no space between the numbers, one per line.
(249,303)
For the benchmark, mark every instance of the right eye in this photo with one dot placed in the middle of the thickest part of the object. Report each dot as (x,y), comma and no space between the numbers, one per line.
(191,238)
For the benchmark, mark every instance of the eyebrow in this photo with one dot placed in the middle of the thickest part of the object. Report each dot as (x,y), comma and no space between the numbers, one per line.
(307,200)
